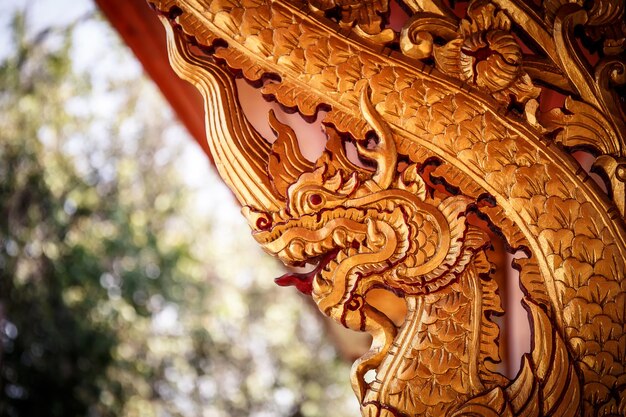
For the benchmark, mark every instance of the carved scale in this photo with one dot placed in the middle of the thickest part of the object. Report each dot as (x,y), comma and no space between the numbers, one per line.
(447,113)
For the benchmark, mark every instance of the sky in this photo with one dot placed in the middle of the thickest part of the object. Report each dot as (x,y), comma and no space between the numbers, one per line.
(96,50)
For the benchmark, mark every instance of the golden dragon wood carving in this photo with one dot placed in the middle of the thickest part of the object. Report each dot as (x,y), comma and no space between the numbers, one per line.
(447,117)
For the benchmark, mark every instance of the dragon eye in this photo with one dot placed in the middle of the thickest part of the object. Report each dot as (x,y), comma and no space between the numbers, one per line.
(263,223)
(315,199)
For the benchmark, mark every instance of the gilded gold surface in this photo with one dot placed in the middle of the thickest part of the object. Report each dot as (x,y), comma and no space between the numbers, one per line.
(446,116)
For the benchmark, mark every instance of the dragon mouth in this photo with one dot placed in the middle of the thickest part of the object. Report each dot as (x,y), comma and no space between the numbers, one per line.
(303,281)
(341,245)
(324,248)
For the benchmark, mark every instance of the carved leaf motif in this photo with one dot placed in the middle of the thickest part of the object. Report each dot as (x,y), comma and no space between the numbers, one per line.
(253,21)
(551,8)
(606,22)
(225,5)
(564,214)
(235,59)
(230,20)
(365,13)
(556,241)
(522,88)
(606,12)
(286,39)
(492,404)
(412,182)
(292,96)
(355,125)
(484,15)
(448,57)
(316,57)
(587,250)
(582,126)
(457,179)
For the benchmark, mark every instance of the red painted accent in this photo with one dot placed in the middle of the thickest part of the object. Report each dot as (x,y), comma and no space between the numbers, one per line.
(480,54)
(315,199)
(304,281)
(263,223)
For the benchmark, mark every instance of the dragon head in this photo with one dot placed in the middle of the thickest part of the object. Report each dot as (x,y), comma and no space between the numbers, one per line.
(360,229)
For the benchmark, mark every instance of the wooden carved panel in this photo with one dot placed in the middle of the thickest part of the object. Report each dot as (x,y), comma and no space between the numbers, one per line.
(449,118)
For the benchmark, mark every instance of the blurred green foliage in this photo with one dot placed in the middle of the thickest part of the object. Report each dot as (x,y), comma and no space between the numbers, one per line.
(118,295)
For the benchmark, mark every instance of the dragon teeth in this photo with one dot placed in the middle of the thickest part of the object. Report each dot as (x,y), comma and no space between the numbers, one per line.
(296,250)
(315,250)
(339,237)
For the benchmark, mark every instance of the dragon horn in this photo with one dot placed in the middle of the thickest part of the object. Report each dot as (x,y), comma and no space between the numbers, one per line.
(384,153)
(239,152)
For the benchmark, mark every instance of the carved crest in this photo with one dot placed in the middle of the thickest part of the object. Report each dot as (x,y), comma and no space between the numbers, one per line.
(449,118)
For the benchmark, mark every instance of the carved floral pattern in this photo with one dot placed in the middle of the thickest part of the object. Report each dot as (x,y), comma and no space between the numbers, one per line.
(487,55)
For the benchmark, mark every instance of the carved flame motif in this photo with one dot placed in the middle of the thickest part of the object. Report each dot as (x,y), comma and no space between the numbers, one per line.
(392,227)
